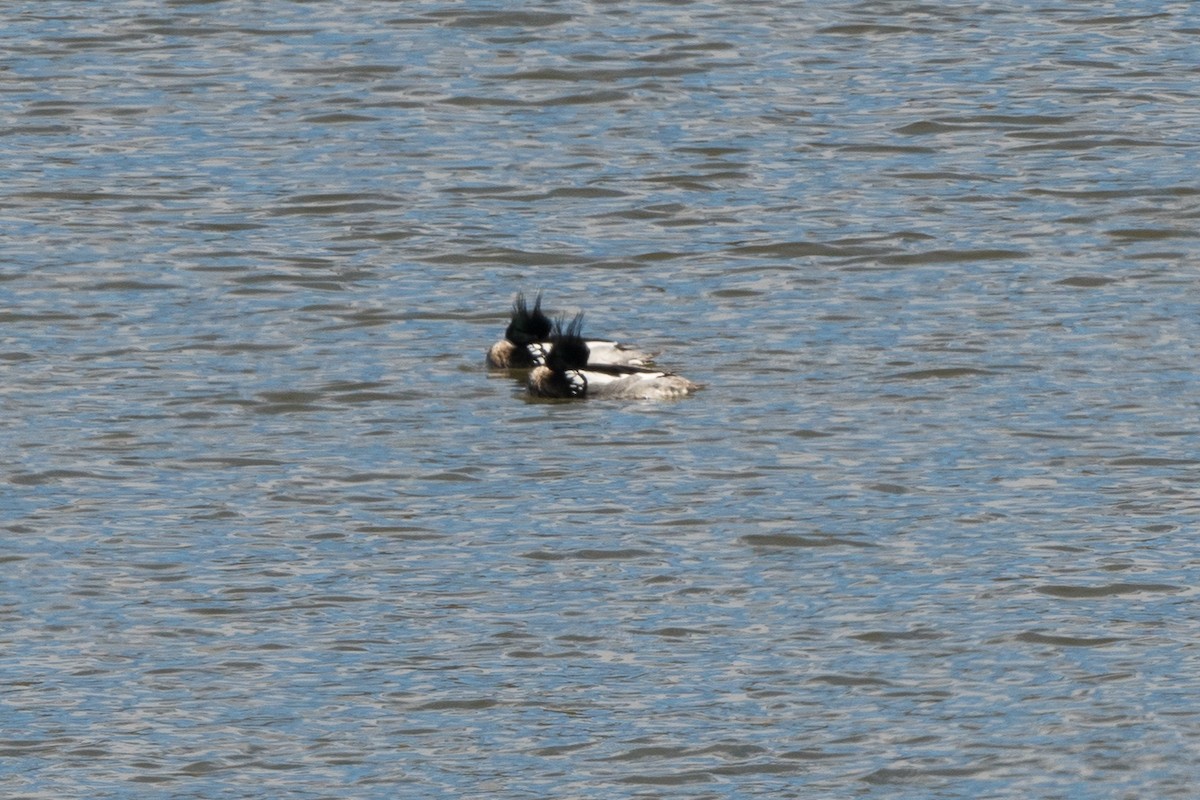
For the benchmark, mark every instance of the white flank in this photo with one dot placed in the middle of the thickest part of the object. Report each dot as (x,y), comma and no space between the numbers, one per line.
(603,352)
(640,386)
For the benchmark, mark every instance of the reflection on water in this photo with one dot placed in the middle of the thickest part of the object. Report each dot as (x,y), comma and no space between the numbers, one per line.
(271,527)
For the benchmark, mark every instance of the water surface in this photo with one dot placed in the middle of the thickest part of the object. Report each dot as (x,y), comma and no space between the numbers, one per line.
(270,527)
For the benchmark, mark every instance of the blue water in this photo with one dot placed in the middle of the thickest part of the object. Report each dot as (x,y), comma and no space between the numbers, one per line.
(270,528)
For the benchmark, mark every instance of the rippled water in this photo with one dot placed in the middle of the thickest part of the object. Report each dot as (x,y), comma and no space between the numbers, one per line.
(271,530)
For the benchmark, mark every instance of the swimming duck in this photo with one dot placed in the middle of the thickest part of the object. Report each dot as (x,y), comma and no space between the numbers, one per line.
(527,340)
(568,373)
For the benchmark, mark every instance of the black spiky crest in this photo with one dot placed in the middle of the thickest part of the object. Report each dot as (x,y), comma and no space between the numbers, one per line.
(570,351)
(528,325)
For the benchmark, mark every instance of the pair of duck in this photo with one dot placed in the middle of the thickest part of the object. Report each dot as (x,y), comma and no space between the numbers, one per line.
(564,365)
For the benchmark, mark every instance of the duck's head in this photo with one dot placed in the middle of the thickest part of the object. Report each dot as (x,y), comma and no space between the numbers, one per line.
(569,350)
(560,372)
(528,325)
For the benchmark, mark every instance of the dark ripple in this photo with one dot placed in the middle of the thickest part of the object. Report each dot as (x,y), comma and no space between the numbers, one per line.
(794,540)
(1109,590)
(1034,637)
(496,19)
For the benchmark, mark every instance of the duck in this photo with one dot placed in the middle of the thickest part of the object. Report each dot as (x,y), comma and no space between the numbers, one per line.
(568,373)
(527,340)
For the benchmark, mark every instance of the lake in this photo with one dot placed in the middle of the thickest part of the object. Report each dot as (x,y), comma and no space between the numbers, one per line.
(270,528)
